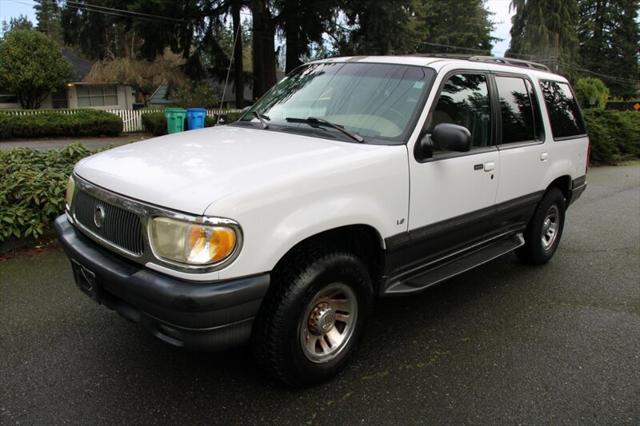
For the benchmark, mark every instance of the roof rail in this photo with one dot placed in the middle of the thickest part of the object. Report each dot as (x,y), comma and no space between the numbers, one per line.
(490,59)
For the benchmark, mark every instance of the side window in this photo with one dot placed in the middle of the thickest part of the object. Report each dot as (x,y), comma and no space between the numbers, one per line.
(563,109)
(464,100)
(519,110)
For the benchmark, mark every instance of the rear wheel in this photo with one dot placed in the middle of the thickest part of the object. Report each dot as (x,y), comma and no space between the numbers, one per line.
(544,231)
(313,317)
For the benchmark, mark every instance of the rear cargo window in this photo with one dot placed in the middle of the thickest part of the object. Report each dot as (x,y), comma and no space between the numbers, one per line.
(563,109)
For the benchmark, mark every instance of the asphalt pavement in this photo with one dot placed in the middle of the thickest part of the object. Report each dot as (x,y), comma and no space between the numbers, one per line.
(503,344)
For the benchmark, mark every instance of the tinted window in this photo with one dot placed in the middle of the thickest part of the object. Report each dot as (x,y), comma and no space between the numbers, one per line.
(518,109)
(562,108)
(464,100)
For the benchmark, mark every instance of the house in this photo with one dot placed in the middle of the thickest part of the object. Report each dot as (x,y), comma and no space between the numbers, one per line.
(79,94)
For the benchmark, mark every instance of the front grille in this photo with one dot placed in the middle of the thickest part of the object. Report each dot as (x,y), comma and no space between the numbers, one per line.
(119,227)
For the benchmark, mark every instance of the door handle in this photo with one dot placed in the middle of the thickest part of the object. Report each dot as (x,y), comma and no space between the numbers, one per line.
(488,167)
(544,156)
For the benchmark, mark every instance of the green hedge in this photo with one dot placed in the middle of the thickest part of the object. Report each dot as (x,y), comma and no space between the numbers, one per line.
(33,187)
(614,135)
(85,122)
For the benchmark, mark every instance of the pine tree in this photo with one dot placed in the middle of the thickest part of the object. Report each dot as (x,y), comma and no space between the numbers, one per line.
(545,31)
(464,23)
(609,43)
(379,27)
(48,17)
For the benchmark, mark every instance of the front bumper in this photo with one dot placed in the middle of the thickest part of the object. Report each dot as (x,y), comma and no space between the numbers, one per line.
(211,316)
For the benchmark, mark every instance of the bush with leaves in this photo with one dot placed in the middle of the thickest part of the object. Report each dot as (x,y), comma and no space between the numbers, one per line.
(42,124)
(32,189)
(591,93)
(197,95)
(614,135)
(31,66)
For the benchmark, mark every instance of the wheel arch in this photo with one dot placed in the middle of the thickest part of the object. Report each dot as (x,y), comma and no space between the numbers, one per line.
(563,183)
(363,240)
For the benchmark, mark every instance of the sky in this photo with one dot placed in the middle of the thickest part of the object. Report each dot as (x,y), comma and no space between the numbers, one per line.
(500,9)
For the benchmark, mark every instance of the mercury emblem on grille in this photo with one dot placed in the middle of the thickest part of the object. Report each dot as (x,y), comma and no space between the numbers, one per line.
(98,216)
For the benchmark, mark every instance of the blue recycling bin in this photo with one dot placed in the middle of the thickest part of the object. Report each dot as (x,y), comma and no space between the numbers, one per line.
(195,118)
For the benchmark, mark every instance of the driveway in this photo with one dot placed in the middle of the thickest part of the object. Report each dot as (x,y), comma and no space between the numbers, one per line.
(90,143)
(505,343)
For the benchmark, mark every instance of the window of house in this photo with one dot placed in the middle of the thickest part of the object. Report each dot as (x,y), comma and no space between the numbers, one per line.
(519,110)
(59,99)
(563,110)
(464,100)
(92,96)
(7,98)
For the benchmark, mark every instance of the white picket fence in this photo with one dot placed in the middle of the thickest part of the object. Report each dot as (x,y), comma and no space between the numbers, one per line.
(131,119)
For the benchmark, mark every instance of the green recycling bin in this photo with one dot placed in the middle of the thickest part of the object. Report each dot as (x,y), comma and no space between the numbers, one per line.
(175,119)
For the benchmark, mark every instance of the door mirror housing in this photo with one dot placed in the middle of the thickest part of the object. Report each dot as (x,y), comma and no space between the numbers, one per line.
(451,137)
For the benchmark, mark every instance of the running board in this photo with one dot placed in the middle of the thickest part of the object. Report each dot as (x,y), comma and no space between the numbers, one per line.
(443,271)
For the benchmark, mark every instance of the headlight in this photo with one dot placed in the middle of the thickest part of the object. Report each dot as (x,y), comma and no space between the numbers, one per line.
(68,196)
(190,243)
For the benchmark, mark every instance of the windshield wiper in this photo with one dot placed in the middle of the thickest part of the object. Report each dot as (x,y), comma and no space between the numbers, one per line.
(262,119)
(316,122)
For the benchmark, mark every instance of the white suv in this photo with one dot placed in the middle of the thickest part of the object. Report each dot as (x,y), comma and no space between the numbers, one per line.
(352,178)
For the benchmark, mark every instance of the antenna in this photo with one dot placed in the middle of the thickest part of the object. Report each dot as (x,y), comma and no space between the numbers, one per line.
(226,80)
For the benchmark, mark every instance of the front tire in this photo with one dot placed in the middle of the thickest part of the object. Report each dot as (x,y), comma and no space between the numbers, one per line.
(313,317)
(544,231)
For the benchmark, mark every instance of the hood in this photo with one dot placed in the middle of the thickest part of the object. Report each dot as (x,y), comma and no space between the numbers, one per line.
(188,171)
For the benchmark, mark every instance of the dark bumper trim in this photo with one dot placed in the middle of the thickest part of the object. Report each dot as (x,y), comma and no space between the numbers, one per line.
(578,186)
(202,315)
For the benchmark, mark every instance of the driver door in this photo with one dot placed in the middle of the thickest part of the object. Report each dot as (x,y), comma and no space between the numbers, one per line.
(453,194)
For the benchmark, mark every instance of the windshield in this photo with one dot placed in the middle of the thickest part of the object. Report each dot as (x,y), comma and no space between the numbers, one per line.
(376,101)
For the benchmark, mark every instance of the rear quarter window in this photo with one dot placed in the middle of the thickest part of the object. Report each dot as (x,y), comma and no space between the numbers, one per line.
(564,113)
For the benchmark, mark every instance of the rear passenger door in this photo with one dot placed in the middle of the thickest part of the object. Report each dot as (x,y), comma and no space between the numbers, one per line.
(524,157)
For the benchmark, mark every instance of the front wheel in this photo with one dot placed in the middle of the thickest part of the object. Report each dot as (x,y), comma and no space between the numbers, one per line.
(313,317)
(544,231)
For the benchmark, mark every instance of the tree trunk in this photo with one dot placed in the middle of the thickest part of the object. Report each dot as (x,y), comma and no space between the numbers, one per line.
(238,73)
(293,45)
(264,60)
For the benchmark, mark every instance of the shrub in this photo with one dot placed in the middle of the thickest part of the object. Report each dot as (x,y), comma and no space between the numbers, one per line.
(592,93)
(232,116)
(197,95)
(31,66)
(154,123)
(33,187)
(86,122)
(614,135)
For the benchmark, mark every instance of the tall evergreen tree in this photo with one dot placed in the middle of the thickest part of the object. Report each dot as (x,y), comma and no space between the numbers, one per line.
(19,23)
(379,27)
(545,31)
(48,17)
(464,23)
(609,42)
(303,22)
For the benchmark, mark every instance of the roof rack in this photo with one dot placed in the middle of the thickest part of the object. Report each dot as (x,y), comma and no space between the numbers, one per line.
(489,59)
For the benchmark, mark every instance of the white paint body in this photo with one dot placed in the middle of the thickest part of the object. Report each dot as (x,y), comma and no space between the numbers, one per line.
(283,188)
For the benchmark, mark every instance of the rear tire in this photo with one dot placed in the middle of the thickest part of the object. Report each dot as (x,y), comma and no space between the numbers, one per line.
(313,316)
(544,230)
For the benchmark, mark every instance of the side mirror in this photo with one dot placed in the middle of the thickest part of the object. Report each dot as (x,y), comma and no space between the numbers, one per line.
(451,137)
